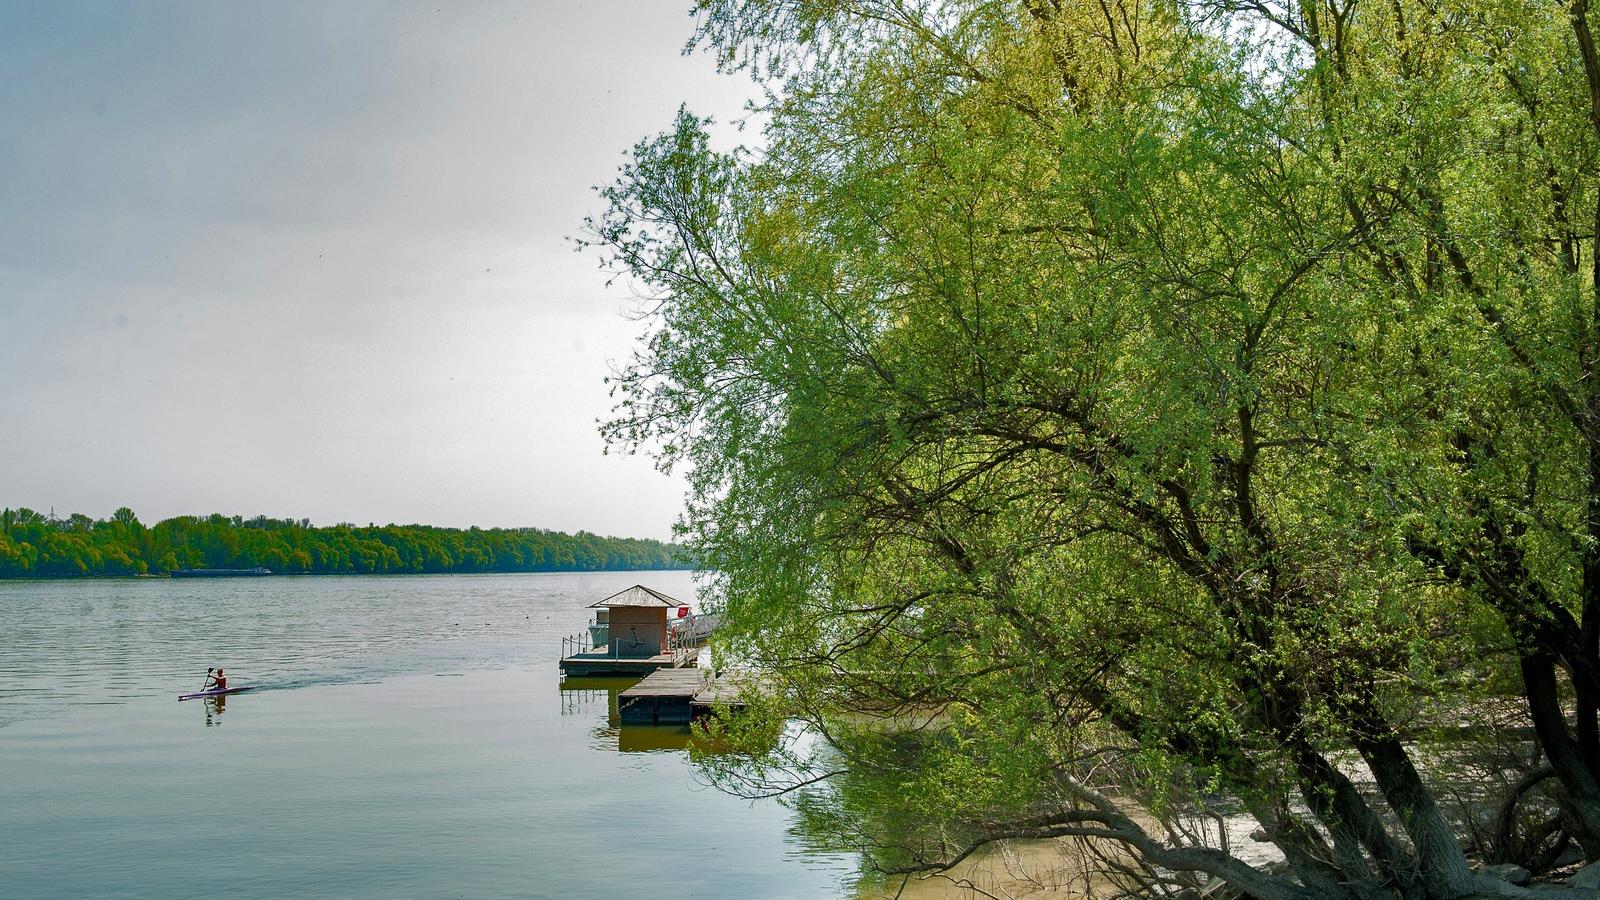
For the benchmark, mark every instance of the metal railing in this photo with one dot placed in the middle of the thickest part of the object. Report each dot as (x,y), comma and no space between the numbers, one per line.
(578,701)
(682,648)
(695,628)
(574,644)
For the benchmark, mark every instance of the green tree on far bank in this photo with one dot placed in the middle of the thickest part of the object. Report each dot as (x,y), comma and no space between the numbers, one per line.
(36,546)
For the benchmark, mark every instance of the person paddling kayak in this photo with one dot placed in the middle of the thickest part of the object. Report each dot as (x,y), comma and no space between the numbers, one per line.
(216,685)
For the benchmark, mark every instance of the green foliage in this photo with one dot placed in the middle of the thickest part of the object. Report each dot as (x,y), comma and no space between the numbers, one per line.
(1171,396)
(34,546)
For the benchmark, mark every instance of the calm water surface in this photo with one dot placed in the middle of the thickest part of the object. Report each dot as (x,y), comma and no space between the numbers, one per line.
(411,738)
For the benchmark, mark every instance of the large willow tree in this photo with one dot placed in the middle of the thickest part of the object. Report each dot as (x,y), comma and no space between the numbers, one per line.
(1187,403)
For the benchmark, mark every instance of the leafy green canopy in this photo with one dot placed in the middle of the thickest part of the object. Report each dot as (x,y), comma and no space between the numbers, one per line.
(1175,400)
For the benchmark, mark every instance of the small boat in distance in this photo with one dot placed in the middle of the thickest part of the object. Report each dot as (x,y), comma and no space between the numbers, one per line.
(214,692)
(219,573)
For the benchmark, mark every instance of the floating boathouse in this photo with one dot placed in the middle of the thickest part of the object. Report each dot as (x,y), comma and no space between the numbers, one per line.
(638,639)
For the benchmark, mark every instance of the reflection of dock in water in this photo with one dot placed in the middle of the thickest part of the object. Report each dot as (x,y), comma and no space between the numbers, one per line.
(651,738)
(581,696)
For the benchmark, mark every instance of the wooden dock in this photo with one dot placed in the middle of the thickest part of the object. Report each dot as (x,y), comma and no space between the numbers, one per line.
(676,696)
(726,689)
(601,662)
(635,636)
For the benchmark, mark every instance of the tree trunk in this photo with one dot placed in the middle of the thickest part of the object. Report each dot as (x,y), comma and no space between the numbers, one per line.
(1441,866)
(1544,707)
(1340,806)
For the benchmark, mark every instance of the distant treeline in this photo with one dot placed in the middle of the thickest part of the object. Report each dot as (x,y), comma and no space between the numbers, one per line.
(33,545)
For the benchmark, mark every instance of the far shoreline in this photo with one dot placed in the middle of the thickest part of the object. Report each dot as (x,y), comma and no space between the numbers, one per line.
(35,545)
(166,576)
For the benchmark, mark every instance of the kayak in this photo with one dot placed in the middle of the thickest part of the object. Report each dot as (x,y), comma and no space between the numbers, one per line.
(213,693)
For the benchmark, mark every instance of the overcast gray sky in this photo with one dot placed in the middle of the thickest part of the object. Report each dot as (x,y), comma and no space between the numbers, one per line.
(311,259)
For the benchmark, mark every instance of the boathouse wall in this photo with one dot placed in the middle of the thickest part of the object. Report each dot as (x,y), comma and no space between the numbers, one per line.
(638,631)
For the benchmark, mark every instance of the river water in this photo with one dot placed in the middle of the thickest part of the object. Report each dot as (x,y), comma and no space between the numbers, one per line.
(409,737)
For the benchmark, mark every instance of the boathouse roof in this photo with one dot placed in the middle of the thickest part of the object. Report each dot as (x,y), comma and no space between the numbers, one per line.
(638,595)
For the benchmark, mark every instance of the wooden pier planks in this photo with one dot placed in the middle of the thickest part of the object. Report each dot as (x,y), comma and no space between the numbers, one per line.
(726,690)
(675,696)
(668,683)
(662,697)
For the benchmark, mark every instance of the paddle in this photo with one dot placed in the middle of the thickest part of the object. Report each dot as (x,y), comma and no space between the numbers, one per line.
(207,683)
